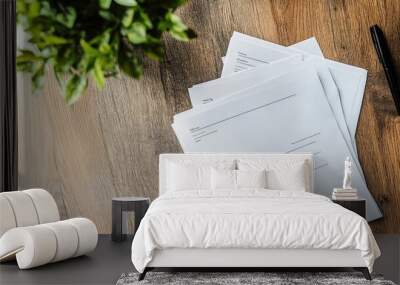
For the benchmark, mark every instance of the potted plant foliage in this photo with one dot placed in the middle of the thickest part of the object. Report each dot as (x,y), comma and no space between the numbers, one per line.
(84,39)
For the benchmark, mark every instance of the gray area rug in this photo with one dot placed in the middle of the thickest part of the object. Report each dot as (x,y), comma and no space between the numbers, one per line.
(269,278)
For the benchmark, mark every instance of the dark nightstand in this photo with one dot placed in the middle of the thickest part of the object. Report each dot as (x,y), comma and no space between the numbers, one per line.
(357,206)
(120,206)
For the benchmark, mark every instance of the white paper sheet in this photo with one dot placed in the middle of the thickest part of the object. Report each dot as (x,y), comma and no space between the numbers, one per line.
(220,88)
(345,75)
(350,80)
(244,54)
(309,45)
(286,114)
(225,87)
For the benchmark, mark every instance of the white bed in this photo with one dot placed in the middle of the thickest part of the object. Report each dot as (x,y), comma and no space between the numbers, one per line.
(249,227)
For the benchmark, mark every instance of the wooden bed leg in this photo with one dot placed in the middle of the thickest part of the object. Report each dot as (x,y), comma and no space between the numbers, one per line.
(143,274)
(364,271)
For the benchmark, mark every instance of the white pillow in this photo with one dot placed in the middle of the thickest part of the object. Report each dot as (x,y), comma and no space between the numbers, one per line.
(193,173)
(223,179)
(288,174)
(188,177)
(237,179)
(251,178)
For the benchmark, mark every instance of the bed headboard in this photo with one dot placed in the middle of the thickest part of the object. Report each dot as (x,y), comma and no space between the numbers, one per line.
(171,157)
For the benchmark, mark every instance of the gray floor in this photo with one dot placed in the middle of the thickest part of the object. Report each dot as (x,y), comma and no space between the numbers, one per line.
(103,266)
(110,260)
(389,262)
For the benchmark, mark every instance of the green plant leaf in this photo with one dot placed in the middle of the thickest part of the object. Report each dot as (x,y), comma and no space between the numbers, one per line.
(105,4)
(154,54)
(102,38)
(33,9)
(136,33)
(21,6)
(153,42)
(107,16)
(67,19)
(74,88)
(45,10)
(104,48)
(94,39)
(177,23)
(179,35)
(27,56)
(128,3)
(64,60)
(130,64)
(145,19)
(86,64)
(128,17)
(26,60)
(174,25)
(88,49)
(98,73)
(54,40)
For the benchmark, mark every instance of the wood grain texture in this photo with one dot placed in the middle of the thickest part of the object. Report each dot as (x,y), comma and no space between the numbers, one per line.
(108,144)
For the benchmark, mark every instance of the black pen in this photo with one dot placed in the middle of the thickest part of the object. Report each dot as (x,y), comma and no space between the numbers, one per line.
(385,58)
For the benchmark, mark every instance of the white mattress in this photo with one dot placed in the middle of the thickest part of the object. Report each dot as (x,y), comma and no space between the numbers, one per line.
(250,219)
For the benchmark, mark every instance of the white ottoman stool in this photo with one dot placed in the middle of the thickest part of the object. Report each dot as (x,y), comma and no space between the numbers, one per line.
(31,232)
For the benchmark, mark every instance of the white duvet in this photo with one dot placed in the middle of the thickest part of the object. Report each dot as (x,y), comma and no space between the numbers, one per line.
(250,218)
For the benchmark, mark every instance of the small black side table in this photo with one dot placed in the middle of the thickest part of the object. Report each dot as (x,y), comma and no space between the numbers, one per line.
(357,206)
(121,205)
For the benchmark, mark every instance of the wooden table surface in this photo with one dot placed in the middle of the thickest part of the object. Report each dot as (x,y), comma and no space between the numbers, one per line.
(108,144)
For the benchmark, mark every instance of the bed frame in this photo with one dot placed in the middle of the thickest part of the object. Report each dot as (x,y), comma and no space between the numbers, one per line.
(237,259)
(260,259)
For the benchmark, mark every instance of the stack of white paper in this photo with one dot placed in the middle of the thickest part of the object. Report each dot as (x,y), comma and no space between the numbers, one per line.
(272,98)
